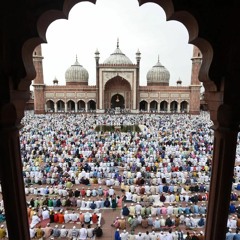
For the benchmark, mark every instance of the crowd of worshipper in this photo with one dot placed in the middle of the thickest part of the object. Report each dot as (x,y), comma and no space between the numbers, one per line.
(61,232)
(163,172)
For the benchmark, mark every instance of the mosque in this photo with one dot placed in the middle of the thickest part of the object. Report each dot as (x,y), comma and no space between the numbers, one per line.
(117,87)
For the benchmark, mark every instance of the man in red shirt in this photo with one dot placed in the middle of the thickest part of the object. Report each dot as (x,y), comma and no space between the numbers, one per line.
(95,218)
(83,192)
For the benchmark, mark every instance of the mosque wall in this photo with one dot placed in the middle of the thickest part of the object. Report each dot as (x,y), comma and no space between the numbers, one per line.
(120,79)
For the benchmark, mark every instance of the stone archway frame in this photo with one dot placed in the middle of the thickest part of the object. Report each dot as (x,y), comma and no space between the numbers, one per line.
(71,100)
(146,101)
(128,74)
(78,104)
(125,90)
(187,104)
(214,73)
(47,100)
(153,100)
(168,104)
(88,103)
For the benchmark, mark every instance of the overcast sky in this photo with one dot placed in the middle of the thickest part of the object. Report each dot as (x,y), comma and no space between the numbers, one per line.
(90,27)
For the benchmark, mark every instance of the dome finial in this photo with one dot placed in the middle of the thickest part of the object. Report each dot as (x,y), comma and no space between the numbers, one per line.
(117,42)
(158,58)
(76,62)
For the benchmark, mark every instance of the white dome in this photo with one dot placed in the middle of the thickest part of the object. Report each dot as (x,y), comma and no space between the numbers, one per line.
(158,75)
(118,58)
(76,73)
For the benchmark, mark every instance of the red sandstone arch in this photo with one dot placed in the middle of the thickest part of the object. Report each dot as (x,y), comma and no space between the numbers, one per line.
(184,106)
(153,105)
(173,106)
(71,106)
(118,83)
(210,28)
(81,106)
(114,86)
(91,105)
(143,106)
(164,106)
(50,105)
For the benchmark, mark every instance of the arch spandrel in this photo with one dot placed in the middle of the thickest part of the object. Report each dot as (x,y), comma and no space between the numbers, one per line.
(108,76)
(118,84)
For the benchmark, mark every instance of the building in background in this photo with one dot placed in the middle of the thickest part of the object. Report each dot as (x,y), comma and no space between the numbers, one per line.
(117,88)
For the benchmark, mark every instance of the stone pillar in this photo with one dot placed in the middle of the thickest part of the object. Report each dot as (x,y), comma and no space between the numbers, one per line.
(86,107)
(158,107)
(225,140)
(148,107)
(178,107)
(65,107)
(76,107)
(11,175)
(168,107)
(55,107)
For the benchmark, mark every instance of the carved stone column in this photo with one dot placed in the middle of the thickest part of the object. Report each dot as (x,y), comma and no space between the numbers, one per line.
(55,107)
(158,107)
(178,107)
(225,139)
(168,107)
(76,106)
(65,107)
(11,175)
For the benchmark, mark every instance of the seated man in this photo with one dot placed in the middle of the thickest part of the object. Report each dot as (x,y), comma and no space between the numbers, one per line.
(169,222)
(107,203)
(98,231)
(156,224)
(87,218)
(116,223)
(95,218)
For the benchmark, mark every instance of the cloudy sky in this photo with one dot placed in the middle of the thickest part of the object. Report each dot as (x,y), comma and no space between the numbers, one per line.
(92,27)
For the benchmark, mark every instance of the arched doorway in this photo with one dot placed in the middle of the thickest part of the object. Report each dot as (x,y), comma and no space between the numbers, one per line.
(91,105)
(117,101)
(173,106)
(60,106)
(50,106)
(143,106)
(153,106)
(81,106)
(117,94)
(163,106)
(71,106)
(184,106)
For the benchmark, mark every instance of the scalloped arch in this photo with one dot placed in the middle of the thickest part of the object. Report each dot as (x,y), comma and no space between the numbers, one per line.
(61,9)
(191,24)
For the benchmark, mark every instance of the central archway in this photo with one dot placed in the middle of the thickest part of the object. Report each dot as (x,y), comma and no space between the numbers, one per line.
(117,94)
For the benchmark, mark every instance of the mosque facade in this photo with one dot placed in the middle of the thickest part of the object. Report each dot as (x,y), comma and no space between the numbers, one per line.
(117,88)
